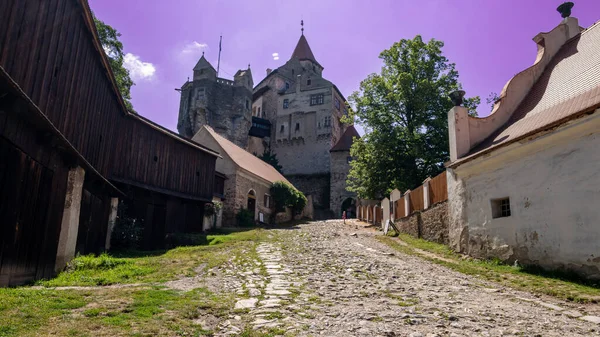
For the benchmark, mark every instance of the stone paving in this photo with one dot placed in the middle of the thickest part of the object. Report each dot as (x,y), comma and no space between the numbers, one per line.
(331,279)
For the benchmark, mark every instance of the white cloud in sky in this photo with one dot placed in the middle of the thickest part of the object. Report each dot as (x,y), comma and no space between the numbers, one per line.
(194,48)
(138,69)
(276,56)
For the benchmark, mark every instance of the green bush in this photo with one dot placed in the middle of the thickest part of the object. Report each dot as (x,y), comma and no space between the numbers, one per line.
(285,195)
(245,218)
(127,233)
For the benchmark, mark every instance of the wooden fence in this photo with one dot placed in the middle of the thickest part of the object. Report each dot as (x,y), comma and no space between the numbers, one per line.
(438,188)
(432,191)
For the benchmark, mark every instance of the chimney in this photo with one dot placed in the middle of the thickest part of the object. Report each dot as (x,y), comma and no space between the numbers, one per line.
(269,70)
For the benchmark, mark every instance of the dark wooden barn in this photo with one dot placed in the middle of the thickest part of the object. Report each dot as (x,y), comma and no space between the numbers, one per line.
(35,163)
(50,51)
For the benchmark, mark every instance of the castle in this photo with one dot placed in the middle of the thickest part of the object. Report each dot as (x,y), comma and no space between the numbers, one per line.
(293,112)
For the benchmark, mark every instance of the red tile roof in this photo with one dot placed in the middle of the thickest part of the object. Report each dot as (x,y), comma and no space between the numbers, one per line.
(246,160)
(302,50)
(569,87)
(345,141)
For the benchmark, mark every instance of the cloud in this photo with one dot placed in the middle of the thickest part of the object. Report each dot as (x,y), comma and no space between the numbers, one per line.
(194,48)
(275,56)
(138,70)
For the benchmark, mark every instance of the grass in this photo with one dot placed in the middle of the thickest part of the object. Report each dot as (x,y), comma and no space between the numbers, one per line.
(565,286)
(147,309)
(137,267)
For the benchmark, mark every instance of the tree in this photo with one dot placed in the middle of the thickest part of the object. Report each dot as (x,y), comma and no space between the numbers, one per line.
(492,99)
(109,38)
(271,159)
(404,113)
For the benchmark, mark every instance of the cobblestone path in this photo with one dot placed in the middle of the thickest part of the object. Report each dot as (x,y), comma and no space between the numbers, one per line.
(318,279)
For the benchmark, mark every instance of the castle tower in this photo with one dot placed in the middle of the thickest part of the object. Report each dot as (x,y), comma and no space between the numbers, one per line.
(304,111)
(222,104)
(204,70)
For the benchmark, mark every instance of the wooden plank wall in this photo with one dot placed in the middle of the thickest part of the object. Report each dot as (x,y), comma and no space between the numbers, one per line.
(416,199)
(49,52)
(46,47)
(93,217)
(438,188)
(158,160)
(32,194)
(399,204)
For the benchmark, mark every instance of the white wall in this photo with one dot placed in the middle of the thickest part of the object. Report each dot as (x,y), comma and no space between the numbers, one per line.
(553,183)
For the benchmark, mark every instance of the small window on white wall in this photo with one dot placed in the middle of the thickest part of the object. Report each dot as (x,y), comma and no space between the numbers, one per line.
(500,208)
(267,201)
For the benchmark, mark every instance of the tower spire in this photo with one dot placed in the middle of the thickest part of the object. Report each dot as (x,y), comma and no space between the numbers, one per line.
(302,24)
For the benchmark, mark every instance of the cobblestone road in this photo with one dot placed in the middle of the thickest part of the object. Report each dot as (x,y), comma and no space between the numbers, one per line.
(318,279)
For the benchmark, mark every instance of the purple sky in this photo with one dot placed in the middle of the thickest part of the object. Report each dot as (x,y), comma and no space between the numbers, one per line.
(488,40)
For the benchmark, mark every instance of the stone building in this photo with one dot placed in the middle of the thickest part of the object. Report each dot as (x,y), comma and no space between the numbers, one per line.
(341,199)
(220,103)
(293,112)
(304,111)
(248,178)
(523,182)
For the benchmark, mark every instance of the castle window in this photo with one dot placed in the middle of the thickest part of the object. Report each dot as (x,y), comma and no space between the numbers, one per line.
(267,201)
(282,128)
(297,126)
(336,101)
(308,82)
(286,103)
(327,121)
(317,99)
(201,92)
(287,85)
(247,104)
(258,113)
(201,71)
(500,208)
(345,111)
(292,72)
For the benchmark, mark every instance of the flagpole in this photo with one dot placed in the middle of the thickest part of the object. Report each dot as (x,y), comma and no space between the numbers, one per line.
(219,61)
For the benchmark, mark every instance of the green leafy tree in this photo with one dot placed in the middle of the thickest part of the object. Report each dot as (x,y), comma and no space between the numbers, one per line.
(271,159)
(492,99)
(404,113)
(285,195)
(109,38)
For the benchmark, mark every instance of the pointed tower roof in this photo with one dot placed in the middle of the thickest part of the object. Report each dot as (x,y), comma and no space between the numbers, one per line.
(303,52)
(203,64)
(346,140)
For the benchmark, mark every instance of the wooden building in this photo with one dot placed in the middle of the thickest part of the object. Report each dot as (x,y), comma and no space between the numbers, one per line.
(51,58)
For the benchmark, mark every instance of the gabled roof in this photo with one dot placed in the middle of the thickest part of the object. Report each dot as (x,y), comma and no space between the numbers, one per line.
(245,159)
(346,140)
(568,88)
(203,64)
(302,50)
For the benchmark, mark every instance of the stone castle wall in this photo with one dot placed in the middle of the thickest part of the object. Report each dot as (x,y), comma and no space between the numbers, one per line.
(218,103)
(316,185)
(339,173)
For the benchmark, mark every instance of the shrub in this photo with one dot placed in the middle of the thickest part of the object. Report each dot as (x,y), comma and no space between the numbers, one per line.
(128,231)
(245,218)
(209,209)
(285,195)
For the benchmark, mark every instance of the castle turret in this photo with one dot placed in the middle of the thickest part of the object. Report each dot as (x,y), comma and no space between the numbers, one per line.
(204,70)
(243,78)
(305,55)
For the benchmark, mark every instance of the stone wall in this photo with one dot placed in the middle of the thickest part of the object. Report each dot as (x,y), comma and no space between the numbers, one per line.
(430,224)
(339,173)
(224,107)
(237,187)
(552,187)
(316,185)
